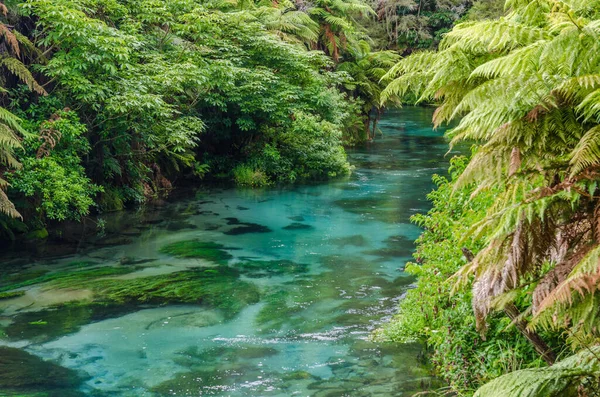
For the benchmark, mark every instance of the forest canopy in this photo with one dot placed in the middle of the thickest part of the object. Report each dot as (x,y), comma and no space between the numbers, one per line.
(121,100)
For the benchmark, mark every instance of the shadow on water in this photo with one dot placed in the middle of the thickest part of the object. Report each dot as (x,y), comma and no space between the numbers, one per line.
(235,292)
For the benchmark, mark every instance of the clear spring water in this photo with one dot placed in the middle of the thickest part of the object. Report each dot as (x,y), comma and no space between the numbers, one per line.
(308,334)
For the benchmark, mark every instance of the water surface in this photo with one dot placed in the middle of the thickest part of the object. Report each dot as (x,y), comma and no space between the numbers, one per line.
(319,267)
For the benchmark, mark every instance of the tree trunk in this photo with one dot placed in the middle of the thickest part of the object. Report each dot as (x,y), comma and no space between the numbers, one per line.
(376,121)
(513,313)
(368,126)
(538,343)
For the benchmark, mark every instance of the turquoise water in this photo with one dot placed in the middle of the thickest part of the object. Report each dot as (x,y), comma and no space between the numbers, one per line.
(335,253)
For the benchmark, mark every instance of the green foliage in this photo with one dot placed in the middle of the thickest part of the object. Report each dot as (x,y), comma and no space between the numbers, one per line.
(485,9)
(310,145)
(61,190)
(367,69)
(409,25)
(245,175)
(234,74)
(525,88)
(10,127)
(52,175)
(563,379)
(181,90)
(440,315)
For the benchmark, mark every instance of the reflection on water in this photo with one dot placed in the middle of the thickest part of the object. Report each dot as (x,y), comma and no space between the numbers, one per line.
(237,292)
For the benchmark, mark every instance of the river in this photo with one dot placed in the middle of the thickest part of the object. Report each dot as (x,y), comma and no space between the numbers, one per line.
(303,276)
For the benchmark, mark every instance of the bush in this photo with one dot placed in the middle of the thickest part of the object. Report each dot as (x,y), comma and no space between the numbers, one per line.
(244,175)
(52,176)
(439,314)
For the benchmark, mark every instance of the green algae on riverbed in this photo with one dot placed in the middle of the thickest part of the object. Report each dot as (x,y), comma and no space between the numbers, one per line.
(198,249)
(48,324)
(61,279)
(23,374)
(11,294)
(218,288)
(258,269)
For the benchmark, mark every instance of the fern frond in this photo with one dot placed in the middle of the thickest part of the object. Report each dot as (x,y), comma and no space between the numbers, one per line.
(492,36)
(572,88)
(10,39)
(582,279)
(564,378)
(17,68)
(12,121)
(589,108)
(27,45)
(587,151)
(7,207)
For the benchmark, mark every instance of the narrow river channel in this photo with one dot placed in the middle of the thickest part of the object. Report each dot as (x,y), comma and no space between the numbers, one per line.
(303,275)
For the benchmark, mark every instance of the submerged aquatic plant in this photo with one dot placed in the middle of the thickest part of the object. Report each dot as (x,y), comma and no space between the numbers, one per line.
(256,269)
(198,249)
(24,374)
(218,287)
(59,279)
(11,294)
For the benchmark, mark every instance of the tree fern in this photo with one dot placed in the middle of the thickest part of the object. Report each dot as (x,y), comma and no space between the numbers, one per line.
(9,123)
(526,90)
(567,378)
(17,68)
(587,151)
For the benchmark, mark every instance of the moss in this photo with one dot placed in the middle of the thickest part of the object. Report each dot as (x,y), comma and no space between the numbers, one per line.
(215,369)
(219,288)
(24,374)
(80,264)
(22,276)
(49,324)
(278,310)
(378,207)
(198,249)
(256,269)
(60,279)
(39,234)
(12,294)
(68,280)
